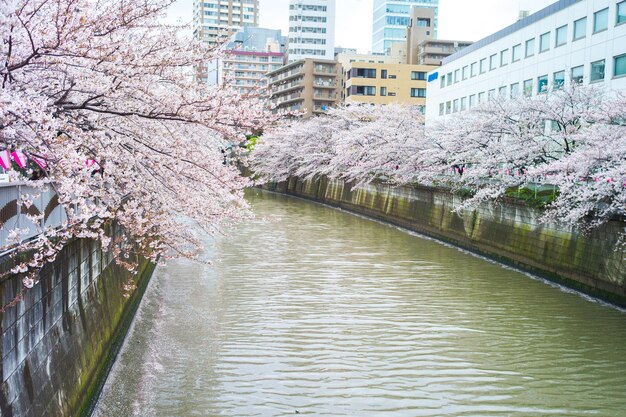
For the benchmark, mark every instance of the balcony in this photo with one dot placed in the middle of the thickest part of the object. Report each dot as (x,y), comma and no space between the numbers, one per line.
(325,83)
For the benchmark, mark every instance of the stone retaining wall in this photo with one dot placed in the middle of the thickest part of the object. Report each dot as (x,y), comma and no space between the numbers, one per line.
(60,339)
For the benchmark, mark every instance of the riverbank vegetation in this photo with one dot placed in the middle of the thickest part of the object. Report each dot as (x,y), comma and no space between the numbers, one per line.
(568,145)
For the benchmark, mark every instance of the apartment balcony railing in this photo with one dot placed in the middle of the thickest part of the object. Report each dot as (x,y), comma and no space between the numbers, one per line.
(14,216)
(322,69)
(324,96)
(284,75)
(325,84)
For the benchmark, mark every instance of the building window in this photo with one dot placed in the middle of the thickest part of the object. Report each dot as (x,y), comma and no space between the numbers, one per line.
(504,57)
(514,90)
(580,28)
(464,73)
(619,65)
(449,77)
(601,20)
(516,52)
(443,81)
(363,72)
(418,92)
(456,76)
(363,90)
(597,71)
(544,42)
(502,91)
(528,88)
(481,97)
(492,62)
(560,36)
(577,74)
(463,103)
(383,74)
(418,75)
(621,13)
(491,94)
(455,106)
(530,47)
(558,80)
(448,107)
(472,100)
(542,84)
(442,108)
(473,69)
(383,91)
(483,65)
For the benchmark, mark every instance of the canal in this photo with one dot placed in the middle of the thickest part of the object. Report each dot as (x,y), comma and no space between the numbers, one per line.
(312,311)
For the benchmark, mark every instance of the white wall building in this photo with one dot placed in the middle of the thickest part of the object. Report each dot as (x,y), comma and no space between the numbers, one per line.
(311,29)
(569,41)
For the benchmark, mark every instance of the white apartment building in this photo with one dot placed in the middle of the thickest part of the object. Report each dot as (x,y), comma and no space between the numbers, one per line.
(311,29)
(582,41)
(215,21)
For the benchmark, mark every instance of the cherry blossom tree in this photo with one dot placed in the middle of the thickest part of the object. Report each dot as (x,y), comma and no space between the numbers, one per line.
(101,94)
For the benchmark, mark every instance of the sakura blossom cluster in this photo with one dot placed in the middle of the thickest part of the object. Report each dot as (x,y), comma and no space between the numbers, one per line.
(102,95)
(573,139)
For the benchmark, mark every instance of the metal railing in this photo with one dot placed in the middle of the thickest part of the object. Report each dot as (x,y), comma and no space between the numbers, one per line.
(16,216)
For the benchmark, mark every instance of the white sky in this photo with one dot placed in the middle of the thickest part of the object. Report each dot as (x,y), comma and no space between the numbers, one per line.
(458,19)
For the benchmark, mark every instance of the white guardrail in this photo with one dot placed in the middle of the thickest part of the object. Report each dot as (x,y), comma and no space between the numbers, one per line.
(14,216)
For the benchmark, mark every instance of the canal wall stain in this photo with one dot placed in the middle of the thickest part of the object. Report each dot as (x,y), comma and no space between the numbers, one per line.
(60,340)
(509,232)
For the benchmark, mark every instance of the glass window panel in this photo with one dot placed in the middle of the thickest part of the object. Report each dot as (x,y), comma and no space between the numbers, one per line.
(544,42)
(473,69)
(504,57)
(514,90)
(561,36)
(472,101)
(516,53)
(502,91)
(492,62)
(580,28)
(558,80)
(530,47)
(621,13)
(441,109)
(464,73)
(528,88)
(619,65)
(597,71)
(463,103)
(481,97)
(483,65)
(577,74)
(601,20)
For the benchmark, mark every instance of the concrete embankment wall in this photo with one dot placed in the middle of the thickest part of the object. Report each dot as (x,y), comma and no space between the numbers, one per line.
(60,339)
(509,232)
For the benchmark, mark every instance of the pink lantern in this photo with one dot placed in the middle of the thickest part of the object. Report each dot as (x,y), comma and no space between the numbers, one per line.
(19,158)
(5,160)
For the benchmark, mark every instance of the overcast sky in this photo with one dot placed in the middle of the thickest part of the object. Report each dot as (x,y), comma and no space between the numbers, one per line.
(458,19)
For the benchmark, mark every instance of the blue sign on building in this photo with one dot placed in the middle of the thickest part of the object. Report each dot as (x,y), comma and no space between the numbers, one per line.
(433,76)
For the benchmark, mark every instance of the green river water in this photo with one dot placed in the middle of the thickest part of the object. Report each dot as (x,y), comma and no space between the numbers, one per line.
(312,311)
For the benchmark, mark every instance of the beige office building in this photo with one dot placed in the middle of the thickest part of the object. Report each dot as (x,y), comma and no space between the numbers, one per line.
(309,85)
(377,83)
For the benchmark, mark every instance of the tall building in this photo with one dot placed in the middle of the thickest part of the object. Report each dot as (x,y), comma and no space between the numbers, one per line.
(216,20)
(248,57)
(570,41)
(311,29)
(309,85)
(391,19)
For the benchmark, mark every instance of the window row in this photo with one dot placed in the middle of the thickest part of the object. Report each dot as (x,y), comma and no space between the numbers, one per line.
(371,73)
(364,90)
(539,85)
(529,48)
